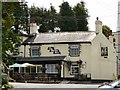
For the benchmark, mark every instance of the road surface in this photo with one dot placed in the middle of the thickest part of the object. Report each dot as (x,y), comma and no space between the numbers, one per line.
(39,85)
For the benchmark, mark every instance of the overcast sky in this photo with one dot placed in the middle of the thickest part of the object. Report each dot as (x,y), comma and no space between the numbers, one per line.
(106,10)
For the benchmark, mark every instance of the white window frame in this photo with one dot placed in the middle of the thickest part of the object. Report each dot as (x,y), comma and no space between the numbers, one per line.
(37,52)
(53,67)
(74,50)
(104,51)
(40,66)
(73,66)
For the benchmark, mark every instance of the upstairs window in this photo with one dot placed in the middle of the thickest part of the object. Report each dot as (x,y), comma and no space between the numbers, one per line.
(74,50)
(104,51)
(35,51)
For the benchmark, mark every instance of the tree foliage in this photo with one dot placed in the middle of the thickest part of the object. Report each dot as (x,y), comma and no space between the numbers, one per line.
(66,18)
(81,15)
(21,15)
(106,30)
(10,40)
(52,18)
(45,19)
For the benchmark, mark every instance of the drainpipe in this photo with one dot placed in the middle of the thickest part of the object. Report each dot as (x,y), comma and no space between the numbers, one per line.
(63,70)
(24,50)
(117,65)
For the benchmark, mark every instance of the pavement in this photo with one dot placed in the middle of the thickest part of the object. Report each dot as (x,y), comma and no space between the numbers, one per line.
(61,85)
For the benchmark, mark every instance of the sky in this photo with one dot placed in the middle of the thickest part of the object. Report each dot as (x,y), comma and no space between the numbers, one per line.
(106,10)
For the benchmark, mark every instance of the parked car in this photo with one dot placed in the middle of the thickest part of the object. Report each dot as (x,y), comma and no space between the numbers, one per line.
(112,85)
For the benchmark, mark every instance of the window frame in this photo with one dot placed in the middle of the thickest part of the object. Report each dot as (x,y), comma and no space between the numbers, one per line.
(37,48)
(74,50)
(74,65)
(51,71)
(38,67)
(104,51)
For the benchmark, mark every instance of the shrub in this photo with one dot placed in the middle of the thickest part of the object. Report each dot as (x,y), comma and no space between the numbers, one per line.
(7,86)
(4,81)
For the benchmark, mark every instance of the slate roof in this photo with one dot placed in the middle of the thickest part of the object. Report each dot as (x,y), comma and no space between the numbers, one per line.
(61,37)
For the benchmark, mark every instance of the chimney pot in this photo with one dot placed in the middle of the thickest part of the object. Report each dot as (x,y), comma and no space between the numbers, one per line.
(97,18)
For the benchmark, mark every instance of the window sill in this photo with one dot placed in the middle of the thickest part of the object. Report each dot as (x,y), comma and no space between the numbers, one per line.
(74,56)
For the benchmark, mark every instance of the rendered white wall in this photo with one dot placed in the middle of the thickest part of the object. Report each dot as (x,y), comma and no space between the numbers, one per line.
(118,23)
(103,68)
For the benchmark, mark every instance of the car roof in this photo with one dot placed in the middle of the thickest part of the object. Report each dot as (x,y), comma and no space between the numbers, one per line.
(115,83)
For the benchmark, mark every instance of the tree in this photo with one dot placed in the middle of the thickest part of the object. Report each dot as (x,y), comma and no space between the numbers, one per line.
(44,22)
(106,31)
(81,15)
(10,40)
(52,18)
(36,14)
(66,18)
(39,16)
(21,15)
(44,18)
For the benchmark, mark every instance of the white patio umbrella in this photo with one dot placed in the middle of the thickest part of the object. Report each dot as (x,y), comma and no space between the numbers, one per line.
(26,65)
(16,65)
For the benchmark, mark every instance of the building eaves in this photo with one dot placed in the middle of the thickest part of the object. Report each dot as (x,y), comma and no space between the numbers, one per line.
(41,58)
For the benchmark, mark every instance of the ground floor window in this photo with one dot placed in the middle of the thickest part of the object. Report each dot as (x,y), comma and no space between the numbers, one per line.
(74,68)
(16,69)
(31,69)
(22,69)
(38,69)
(51,68)
(28,69)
